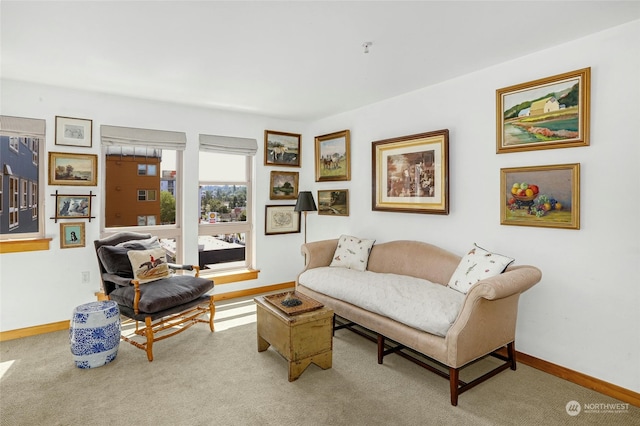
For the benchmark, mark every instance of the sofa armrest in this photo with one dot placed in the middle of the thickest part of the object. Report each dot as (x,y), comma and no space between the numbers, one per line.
(318,253)
(515,280)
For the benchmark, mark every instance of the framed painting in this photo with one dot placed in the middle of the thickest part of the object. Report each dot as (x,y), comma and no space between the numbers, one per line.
(74,131)
(284,185)
(544,196)
(281,219)
(73,169)
(333,202)
(282,149)
(72,235)
(411,173)
(73,206)
(552,112)
(333,160)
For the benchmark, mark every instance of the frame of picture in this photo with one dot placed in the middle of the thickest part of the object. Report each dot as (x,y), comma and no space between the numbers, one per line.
(282,148)
(333,161)
(73,169)
(544,196)
(411,173)
(283,185)
(548,113)
(333,202)
(74,131)
(73,206)
(281,219)
(72,235)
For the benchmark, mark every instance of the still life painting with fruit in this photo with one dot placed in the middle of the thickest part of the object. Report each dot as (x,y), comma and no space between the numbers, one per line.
(541,196)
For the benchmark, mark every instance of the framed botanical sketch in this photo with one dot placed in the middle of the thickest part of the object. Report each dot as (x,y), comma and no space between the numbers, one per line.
(73,169)
(552,112)
(282,149)
(284,185)
(73,131)
(73,206)
(280,219)
(72,234)
(411,173)
(333,160)
(544,196)
(333,202)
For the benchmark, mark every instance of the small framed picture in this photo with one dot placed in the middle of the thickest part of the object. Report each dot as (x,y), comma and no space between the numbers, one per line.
(552,112)
(411,173)
(282,149)
(281,220)
(284,185)
(72,235)
(543,196)
(74,131)
(333,202)
(333,161)
(73,206)
(73,169)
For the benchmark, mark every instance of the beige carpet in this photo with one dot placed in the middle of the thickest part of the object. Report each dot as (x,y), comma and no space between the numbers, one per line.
(203,378)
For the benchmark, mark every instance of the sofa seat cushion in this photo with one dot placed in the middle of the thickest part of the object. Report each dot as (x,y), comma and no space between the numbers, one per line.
(163,294)
(415,302)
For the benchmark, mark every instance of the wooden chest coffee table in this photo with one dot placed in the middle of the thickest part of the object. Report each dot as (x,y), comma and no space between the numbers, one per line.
(301,339)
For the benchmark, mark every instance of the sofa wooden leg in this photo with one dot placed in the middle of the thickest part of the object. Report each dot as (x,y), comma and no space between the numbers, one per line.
(511,352)
(380,348)
(453,385)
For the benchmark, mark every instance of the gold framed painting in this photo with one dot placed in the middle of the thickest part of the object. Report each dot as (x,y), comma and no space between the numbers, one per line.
(73,169)
(333,202)
(283,185)
(543,196)
(282,148)
(411,173)
(548,113)
(333,161)
(72,235)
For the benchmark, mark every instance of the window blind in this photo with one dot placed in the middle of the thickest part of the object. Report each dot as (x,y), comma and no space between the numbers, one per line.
(228,145)
(19,126)
(126,136)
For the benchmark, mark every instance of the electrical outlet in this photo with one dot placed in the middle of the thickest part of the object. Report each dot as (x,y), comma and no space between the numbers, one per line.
(86,277)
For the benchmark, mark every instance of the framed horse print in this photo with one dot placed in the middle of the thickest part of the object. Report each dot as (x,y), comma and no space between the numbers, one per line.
(333,162)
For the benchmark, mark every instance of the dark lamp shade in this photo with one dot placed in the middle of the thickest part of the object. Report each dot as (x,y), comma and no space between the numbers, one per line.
(305,202)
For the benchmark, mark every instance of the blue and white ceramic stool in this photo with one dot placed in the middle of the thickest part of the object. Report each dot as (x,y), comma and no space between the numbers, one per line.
(95,334)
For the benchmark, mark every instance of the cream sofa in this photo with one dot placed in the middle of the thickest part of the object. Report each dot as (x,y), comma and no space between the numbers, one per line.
(485,322)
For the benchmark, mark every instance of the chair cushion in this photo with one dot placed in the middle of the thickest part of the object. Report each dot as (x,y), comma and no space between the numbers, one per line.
(115,259)
(148,265)
(163,294)
(147,243)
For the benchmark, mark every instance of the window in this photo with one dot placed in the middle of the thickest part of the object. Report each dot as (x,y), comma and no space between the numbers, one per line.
(21,140)
(225,237)
(136,198)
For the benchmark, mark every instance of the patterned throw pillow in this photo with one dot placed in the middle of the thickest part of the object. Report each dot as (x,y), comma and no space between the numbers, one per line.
(352,253)
(149,265)
(475,266)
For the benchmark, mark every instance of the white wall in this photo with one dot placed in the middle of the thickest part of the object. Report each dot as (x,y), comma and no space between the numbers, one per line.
(43,287)
(583,315)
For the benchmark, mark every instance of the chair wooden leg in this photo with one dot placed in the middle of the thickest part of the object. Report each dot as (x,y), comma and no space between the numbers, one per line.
(212,312)
(149,335)
(453,385)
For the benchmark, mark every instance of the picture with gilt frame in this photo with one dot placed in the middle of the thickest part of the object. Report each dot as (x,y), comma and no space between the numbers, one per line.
(282,148)
(542,196)
(333,160)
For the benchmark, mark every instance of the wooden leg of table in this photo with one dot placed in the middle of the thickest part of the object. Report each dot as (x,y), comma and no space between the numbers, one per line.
(324,360)
(296,368)
(263,345)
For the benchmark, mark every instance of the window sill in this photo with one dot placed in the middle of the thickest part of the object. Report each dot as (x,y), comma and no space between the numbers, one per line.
(16,246)
(227,277)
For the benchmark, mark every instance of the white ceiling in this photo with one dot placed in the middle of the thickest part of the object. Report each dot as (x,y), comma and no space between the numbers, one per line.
(296,59)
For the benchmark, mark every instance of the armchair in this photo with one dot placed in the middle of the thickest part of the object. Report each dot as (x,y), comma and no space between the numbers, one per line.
(159,302)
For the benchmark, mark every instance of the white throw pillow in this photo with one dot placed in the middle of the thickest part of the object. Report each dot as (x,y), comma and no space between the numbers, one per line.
(352,253)
(148,265)
(475,266)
